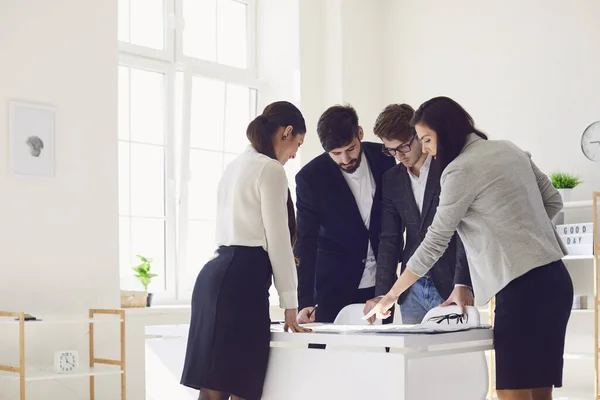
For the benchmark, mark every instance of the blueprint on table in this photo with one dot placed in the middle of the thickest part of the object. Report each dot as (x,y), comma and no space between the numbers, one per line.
(400,329)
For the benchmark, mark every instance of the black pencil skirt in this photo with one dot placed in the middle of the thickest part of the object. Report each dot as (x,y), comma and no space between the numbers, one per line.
(229,337)
(530,325)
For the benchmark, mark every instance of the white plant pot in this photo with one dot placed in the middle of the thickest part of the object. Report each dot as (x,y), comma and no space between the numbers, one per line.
(565,194)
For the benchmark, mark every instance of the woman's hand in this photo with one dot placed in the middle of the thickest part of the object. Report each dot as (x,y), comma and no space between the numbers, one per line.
(369,305)
(382,309)
(461,296)
(291,323)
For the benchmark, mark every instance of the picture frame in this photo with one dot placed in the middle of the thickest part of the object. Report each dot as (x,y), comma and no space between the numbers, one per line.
(31,138)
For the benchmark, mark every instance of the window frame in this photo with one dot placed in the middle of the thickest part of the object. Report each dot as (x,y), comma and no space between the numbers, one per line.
(212,68)
(126,60)
(169,37)
(170,62)
(185,295)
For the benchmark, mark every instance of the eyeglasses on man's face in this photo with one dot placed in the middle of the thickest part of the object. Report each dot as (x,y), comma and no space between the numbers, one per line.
(405,148)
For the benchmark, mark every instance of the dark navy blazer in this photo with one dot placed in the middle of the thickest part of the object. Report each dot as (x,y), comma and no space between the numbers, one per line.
(332,238)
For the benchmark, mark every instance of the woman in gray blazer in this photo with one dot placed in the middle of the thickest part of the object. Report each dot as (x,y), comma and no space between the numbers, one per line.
(501,205)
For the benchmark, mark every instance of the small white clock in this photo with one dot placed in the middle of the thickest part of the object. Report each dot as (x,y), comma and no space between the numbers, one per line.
(66,361)
(590,142)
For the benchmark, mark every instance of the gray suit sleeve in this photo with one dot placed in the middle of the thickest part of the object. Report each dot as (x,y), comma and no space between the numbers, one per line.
(457,195)
(391,242)
(552,199)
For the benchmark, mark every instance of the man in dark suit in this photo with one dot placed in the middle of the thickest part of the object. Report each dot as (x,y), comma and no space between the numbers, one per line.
(410,198)
(338,196)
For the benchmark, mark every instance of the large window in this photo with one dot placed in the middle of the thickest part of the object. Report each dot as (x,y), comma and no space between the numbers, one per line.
(187,91)
(219,113)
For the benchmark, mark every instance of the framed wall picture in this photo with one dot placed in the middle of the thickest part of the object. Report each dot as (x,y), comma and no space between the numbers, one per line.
(31,135)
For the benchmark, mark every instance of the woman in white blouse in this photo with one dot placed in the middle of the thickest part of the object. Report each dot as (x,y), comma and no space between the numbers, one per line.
(228,345)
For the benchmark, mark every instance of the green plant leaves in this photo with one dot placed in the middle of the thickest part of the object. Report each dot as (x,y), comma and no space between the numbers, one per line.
(144,259)
(561,180)
(143,271)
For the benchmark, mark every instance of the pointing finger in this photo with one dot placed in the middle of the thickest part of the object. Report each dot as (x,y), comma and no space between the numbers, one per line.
(370,313)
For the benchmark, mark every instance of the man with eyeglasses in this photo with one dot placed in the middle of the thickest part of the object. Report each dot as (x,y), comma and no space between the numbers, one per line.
(338,196)
(410,198)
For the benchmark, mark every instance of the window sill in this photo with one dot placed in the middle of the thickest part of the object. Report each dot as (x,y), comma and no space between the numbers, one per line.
(160,310)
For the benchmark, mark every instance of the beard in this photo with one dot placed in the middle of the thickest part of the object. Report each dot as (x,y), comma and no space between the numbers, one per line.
(355,163)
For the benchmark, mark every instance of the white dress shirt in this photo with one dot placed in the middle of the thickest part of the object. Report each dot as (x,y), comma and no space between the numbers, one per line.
(362,185)
(418,183)
(252,211)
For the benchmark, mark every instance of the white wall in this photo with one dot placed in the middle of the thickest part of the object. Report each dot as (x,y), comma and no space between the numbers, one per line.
(311,31)
(58,236)
(278,51)
(526,71)
(340,62)
(278,59)
(363,60)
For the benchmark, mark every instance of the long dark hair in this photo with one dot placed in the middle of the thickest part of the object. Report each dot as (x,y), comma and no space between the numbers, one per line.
(451,122)
(261,131)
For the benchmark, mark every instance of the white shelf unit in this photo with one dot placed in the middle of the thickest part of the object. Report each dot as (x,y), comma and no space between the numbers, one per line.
(97,366)
(57,321)
(570,205)
(591,355)
(579,356)
(44,374)
(584,356)
(579,257)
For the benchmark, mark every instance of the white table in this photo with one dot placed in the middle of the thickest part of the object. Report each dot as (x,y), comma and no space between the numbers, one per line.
(449,366)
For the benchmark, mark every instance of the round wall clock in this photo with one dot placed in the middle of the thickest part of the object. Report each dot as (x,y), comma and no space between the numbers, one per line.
(590,141)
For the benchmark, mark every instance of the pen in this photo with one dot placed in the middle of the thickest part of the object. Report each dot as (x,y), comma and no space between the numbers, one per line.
(312,311)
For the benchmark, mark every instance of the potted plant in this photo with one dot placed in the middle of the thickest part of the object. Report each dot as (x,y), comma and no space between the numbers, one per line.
(144,275)
(565,184)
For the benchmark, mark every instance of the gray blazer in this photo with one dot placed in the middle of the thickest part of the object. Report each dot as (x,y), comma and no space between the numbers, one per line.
(501,205)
